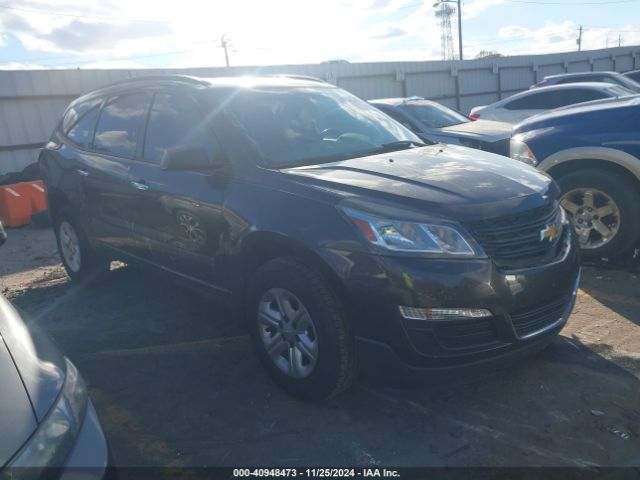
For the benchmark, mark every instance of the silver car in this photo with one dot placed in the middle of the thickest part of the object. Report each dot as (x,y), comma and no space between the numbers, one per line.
(46,417)
(520,106)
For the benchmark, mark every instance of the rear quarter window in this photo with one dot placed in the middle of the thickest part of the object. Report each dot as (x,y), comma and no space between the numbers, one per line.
(79,122)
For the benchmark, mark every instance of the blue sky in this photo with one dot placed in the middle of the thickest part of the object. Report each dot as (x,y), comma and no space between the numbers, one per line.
(129,33)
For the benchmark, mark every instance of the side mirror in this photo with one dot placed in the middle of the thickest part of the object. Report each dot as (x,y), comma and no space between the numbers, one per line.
(3,235)
(186,157)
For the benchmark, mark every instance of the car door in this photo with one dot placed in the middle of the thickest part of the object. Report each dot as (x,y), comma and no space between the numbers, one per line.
(178,215)
(106,169)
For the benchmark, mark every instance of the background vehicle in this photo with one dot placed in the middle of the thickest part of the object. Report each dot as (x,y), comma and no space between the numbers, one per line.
(340,237)
(633,75)
(593,152)
(435,123)
(522,105)
(614,78)
(46,418)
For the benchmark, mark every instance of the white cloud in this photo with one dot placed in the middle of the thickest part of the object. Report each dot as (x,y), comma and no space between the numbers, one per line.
(129,34)
(22,66)
(476,7)
(561,37)
(106,64)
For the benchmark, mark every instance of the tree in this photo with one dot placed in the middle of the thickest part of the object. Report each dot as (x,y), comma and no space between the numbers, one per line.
(489,54)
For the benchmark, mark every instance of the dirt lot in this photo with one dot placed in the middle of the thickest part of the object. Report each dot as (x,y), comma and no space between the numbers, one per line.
(175,383)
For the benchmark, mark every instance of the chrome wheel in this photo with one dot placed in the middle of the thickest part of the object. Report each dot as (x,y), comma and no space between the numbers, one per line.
(595,216)
(70,246)
(288,333)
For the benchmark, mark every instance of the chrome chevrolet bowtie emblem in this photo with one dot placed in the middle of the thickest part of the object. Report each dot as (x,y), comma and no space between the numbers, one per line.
(550,232)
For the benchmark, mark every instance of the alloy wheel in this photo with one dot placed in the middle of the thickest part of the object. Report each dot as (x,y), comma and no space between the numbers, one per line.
(70,246)
(288,333)
(595,216)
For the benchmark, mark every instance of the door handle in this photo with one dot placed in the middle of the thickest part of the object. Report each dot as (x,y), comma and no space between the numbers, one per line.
(140,185)
(83,172)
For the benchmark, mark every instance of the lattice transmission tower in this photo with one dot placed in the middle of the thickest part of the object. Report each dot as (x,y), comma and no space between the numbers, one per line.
(444,14)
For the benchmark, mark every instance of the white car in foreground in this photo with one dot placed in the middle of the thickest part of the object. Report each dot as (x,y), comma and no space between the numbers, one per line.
(522,105)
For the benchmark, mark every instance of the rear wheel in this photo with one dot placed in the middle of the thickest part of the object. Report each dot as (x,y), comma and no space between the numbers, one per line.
(300,330)
(80,261)
(605,211)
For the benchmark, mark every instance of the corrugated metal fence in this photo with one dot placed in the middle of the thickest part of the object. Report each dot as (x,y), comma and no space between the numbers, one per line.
(31,102)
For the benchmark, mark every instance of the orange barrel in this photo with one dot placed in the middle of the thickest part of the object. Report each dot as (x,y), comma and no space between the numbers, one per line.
(15,207)
(35,192)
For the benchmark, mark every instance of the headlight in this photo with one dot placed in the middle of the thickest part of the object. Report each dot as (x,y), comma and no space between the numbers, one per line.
(56,435)
(404,236)
(520,151)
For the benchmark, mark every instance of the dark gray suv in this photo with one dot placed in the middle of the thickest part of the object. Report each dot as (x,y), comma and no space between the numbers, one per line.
(339,238)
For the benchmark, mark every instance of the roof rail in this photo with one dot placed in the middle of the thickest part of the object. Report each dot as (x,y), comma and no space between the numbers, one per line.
(159,77)
(414,98)
(294,76)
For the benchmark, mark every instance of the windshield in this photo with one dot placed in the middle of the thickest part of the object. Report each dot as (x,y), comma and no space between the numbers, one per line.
(434,115)
(302,126)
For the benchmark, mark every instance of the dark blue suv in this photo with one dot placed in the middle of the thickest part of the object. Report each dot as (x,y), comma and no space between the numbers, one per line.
(593,152)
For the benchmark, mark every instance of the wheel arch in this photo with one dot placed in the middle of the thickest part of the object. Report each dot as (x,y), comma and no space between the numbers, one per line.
(609,159)
(260,247)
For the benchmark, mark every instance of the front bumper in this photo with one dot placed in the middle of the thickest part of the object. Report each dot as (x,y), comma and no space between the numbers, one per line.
(528,307)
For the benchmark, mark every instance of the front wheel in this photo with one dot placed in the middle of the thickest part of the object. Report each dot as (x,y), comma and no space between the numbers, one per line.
(605,210)
(300,330)
(80,261)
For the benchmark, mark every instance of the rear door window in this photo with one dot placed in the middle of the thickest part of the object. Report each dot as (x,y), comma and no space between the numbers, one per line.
(533,101)
(554,99)
(174,120)
(120,124)
(581,95)
(581,78)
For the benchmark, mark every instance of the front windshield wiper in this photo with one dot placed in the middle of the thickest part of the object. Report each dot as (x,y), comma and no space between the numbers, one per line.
(399,145)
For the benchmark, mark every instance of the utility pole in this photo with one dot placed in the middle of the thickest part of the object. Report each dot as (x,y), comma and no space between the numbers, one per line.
(224,43)
(619,40)
(579,40)
(459,2)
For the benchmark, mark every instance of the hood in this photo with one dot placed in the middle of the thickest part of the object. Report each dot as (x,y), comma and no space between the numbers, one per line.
(486,130)
(452,181)
(39,363)
(17,420)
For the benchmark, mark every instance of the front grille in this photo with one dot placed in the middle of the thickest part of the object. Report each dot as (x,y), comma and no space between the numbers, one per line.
(513,241)
(467,334)
(526,322)
(501,147)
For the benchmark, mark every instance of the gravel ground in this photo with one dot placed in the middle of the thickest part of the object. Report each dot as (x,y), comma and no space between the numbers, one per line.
(175,383)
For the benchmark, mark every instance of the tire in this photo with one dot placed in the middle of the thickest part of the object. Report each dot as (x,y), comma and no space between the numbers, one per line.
(300,286)
(88,265)
(626,197)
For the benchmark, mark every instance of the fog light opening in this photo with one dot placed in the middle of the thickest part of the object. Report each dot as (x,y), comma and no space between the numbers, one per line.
(413,313)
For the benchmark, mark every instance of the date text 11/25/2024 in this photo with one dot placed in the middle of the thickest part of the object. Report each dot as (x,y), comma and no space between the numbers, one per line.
(316,472)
